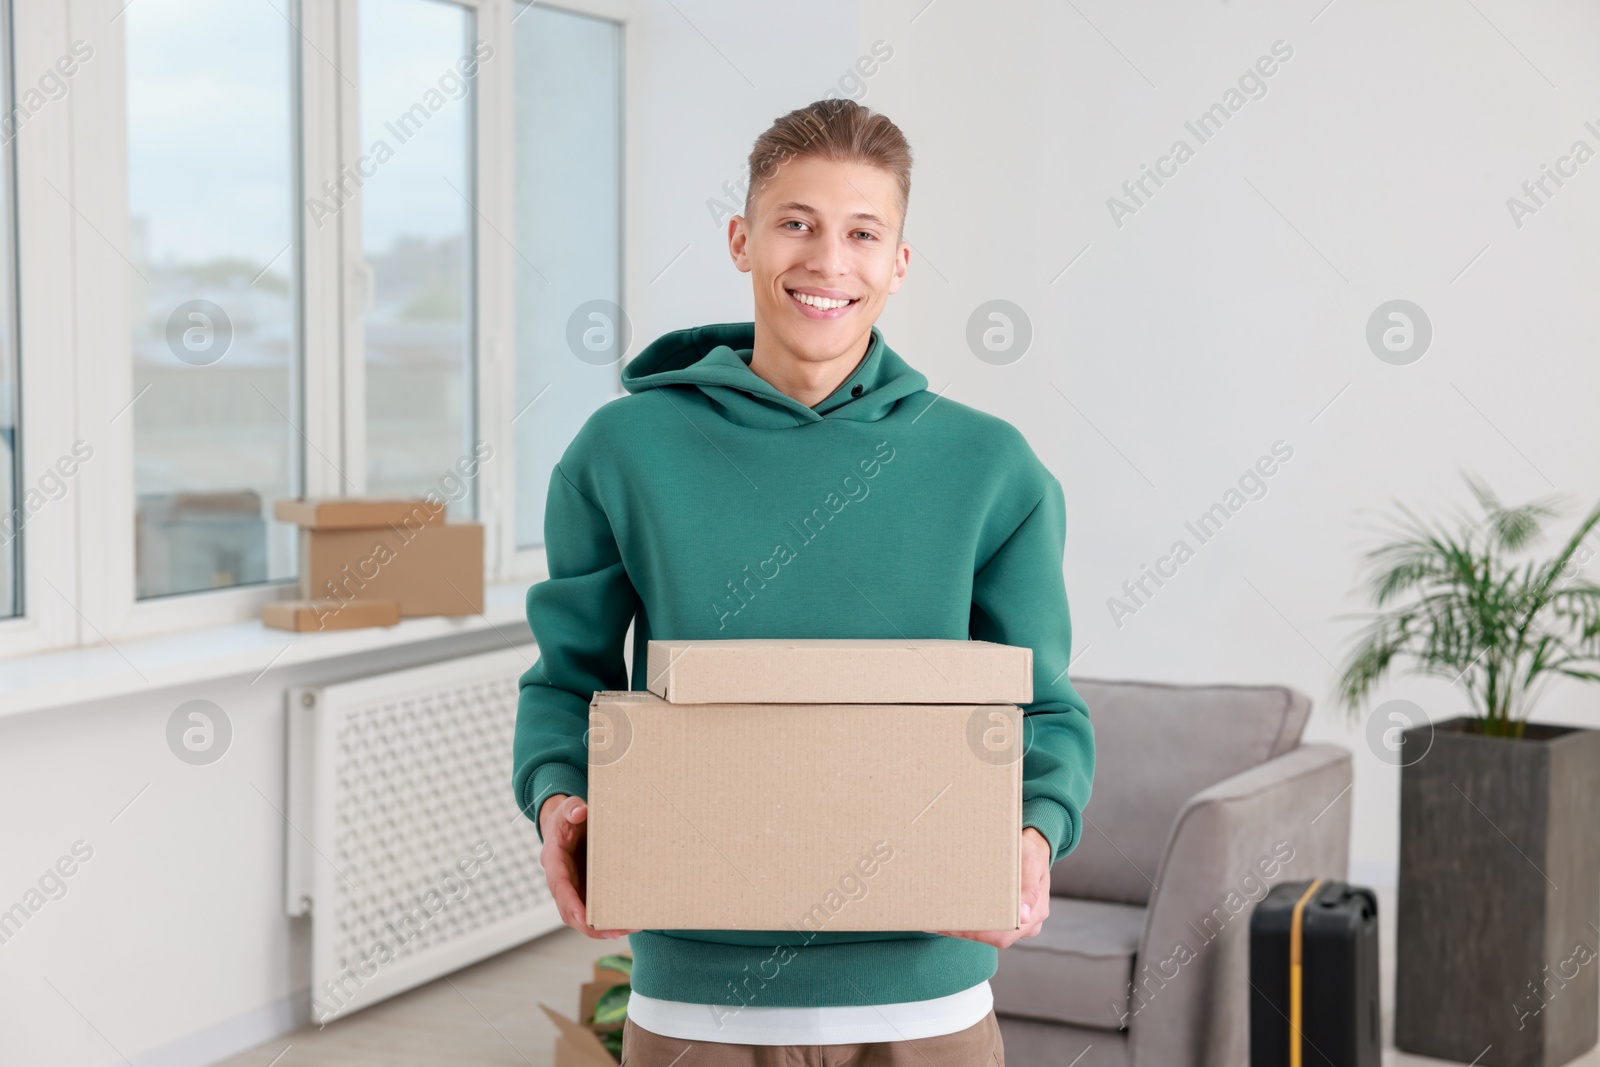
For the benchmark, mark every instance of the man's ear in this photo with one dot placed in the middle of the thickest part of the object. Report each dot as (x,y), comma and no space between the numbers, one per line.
(902,263)
(738,237)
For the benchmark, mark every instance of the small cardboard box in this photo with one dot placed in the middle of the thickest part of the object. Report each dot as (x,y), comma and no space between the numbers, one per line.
(304,615)
(343,513)
(843,671)
(434,569)
(577,1044)
(803,816)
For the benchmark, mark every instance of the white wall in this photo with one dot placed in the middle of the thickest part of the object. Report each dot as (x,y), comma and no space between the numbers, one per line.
(175,925)
(1229,311)
(700,94)
(1206,327)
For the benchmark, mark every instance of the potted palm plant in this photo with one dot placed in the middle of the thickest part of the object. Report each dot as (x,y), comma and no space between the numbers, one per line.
(1498,954)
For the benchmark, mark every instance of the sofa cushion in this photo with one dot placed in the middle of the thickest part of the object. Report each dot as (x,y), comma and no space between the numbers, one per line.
(1076,970)
(1157,745)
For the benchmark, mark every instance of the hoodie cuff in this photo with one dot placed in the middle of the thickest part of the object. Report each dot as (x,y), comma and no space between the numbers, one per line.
(1051,820)
(548,780)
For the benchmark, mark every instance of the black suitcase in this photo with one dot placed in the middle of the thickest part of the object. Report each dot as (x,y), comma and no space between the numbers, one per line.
(1314,977)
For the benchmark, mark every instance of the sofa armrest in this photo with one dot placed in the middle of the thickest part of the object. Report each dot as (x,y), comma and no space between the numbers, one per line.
(1287,819)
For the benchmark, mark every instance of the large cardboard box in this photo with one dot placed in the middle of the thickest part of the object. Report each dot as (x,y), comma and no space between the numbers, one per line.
(808,817)
(432,569)
(840,671)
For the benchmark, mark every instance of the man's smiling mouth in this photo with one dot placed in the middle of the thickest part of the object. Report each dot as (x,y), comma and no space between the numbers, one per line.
(821,303)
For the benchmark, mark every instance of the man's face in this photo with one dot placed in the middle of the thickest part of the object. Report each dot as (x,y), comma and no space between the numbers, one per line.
(824,231)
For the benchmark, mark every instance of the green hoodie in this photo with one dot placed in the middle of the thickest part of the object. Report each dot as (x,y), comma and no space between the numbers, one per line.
(710,505)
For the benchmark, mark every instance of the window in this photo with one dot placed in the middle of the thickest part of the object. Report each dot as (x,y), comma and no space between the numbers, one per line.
(253,251)
(418,70)
(214,295)
(570,331)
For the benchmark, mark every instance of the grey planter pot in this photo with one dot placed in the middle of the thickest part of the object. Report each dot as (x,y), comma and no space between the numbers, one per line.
(1498,947)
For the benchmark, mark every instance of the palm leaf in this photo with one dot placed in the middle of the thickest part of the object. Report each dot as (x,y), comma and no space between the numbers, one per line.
(621,964)
(612,1007)
(1454,604)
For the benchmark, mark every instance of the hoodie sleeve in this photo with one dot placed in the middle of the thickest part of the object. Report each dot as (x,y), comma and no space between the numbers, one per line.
(1019,598)
(579,617)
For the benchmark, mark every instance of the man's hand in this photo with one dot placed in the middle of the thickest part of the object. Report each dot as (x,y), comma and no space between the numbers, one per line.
(1035,896)
(561,823)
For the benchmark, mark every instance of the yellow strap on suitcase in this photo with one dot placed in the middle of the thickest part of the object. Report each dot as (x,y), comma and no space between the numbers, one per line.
(1295,924)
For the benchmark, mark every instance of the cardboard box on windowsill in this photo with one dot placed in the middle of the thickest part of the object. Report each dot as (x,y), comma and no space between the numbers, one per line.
(368,552)
(578,1044)
(433,569)
(855,812)
(343,512)
(316,615)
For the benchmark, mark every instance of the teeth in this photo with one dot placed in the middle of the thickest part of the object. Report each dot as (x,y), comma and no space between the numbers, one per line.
(820,302)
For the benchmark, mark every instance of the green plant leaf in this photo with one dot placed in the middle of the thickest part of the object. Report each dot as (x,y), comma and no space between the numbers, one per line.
(612,1040)
(621,964)
(612,1007)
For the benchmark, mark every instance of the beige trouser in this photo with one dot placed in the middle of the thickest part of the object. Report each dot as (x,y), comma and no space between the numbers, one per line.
(976,1046)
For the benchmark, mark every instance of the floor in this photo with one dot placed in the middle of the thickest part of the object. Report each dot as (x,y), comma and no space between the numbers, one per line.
(488,1015)
(484,1016)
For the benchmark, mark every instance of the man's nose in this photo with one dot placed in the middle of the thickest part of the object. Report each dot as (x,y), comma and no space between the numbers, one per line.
(826,257)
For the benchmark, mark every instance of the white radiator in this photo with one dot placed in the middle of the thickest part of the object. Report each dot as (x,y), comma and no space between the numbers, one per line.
(405,844)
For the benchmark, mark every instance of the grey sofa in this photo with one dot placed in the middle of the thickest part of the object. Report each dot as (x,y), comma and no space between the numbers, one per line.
(1203,798)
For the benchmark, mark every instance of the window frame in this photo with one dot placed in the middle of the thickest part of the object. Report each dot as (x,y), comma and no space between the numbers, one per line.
(40,158)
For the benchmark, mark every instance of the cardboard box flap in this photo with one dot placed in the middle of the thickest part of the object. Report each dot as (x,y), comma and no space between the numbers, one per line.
(346,513)
(581,1036)
(840,671)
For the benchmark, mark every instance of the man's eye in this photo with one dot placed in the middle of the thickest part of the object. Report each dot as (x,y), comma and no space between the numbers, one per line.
(794,222)
(867,235)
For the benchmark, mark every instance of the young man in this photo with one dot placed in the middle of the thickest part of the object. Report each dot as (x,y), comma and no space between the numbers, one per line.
(793,477)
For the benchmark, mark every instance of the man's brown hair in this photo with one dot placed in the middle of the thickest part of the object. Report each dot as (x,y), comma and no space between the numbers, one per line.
(835,129)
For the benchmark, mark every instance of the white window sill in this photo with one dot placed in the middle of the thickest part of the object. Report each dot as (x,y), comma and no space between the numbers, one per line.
(73,676)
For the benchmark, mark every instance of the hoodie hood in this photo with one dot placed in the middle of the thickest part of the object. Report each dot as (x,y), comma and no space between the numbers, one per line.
(715,359)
